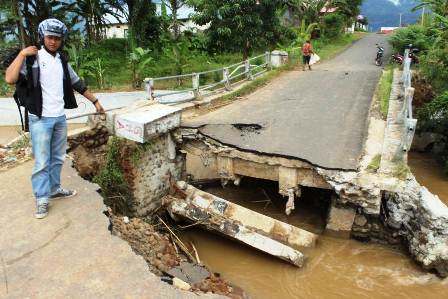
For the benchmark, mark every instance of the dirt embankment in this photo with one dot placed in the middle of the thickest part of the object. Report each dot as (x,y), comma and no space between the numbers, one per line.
(166,259)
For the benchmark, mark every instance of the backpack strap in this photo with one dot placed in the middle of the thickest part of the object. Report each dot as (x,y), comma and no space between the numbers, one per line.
(16,99)
(29,86)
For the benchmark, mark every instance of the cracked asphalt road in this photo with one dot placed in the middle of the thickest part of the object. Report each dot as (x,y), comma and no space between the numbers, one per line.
(320,116)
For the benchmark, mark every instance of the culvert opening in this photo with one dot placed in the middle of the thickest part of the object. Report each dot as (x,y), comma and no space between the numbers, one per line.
(263,196)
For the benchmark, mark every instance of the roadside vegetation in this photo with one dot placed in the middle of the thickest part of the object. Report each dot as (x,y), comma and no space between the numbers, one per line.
(156,44)
(384,90)
(430,35)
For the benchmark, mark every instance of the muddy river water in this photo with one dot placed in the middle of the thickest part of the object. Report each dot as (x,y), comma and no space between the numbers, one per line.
(335,268)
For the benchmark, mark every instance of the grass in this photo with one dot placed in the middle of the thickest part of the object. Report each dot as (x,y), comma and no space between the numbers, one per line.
(384,89)
(115,189)
(374,164)
(402,171)
(22,142)
(5,89)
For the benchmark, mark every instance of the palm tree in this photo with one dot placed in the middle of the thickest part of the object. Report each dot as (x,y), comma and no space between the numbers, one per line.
(94,12)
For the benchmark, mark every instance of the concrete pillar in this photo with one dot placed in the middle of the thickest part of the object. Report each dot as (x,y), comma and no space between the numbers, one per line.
(225,167)
(288,185)
(340,220)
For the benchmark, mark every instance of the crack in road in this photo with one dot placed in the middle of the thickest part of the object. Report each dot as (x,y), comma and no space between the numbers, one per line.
(27,254)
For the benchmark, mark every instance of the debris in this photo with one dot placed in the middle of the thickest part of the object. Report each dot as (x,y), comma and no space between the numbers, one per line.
(177,240)
(180,284)
(190,273)
(259,231)
(195,253)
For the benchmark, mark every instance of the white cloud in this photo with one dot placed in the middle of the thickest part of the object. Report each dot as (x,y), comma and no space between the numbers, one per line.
(396,2)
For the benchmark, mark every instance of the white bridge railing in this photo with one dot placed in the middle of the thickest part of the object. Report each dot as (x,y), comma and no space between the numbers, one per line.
(222,80)
(410,123)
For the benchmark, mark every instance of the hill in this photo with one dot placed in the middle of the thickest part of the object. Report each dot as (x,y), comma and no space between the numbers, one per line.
(385,13)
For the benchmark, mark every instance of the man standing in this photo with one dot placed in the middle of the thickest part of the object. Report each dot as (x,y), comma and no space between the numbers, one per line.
(307,51)
(48,81)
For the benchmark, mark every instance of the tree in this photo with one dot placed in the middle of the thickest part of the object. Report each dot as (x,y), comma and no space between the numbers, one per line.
(439,7)
(94,13)
(144,25)
(23,17)
(174,6)
(239,25)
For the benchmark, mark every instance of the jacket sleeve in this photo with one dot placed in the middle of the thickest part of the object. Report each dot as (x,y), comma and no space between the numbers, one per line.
(77,83)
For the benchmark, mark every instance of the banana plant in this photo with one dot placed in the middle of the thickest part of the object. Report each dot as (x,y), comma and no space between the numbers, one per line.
(139,58)
(81,61)
(178,54)
(99,72)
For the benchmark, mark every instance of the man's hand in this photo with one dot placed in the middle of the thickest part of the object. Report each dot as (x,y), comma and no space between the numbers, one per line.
(29,51)
(99,108)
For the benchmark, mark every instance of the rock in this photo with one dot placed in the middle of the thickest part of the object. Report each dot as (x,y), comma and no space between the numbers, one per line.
(180,284)
(182,185)
(126,219)
(89,143)
(422,220)
(191,273)
(360,220)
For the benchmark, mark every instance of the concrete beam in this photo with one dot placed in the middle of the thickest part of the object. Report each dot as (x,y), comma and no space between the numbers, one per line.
(259,231)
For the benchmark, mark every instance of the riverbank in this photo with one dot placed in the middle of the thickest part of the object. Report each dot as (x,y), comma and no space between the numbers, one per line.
(349,268)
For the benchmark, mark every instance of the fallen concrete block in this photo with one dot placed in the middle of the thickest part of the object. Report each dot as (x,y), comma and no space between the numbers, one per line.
(187,210)
(256,230)
(275,229)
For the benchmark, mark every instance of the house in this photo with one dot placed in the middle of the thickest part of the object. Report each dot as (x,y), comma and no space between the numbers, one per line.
(116,30)
(388,29)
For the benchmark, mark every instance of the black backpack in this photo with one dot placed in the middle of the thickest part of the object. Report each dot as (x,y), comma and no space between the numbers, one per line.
(24,86)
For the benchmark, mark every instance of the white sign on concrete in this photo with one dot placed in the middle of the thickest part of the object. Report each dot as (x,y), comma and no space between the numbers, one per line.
(146,122)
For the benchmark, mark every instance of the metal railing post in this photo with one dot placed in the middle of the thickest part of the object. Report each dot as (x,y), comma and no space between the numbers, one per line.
(226,78)
(195,82)
(268,60)
(149,87)
(247,70)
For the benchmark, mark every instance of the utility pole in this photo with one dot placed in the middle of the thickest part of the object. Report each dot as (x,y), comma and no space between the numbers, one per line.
(423,16)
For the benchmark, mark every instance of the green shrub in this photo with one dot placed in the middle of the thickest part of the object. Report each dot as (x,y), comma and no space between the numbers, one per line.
(115,189)
(334,25)
(415,35)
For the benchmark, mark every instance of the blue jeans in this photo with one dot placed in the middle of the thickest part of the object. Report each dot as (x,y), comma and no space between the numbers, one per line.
(49,141)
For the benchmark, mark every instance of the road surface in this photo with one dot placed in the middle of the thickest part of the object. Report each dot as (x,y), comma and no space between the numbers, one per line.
(317,116)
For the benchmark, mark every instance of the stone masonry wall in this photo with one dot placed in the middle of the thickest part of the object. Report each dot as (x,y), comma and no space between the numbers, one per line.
(422,220)
(154,168)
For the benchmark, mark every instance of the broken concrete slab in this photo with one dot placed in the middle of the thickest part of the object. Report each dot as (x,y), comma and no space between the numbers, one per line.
(190,273)
(188,210)
(278,230)
(259,231)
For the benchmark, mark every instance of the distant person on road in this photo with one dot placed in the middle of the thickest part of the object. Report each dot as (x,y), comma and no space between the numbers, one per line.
(45,83)
(307,51)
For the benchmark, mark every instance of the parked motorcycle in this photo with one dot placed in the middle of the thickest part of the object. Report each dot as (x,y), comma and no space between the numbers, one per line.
(379,55)
(399,59)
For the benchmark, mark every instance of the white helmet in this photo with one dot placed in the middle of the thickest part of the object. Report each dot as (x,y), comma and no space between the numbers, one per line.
(52,27)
